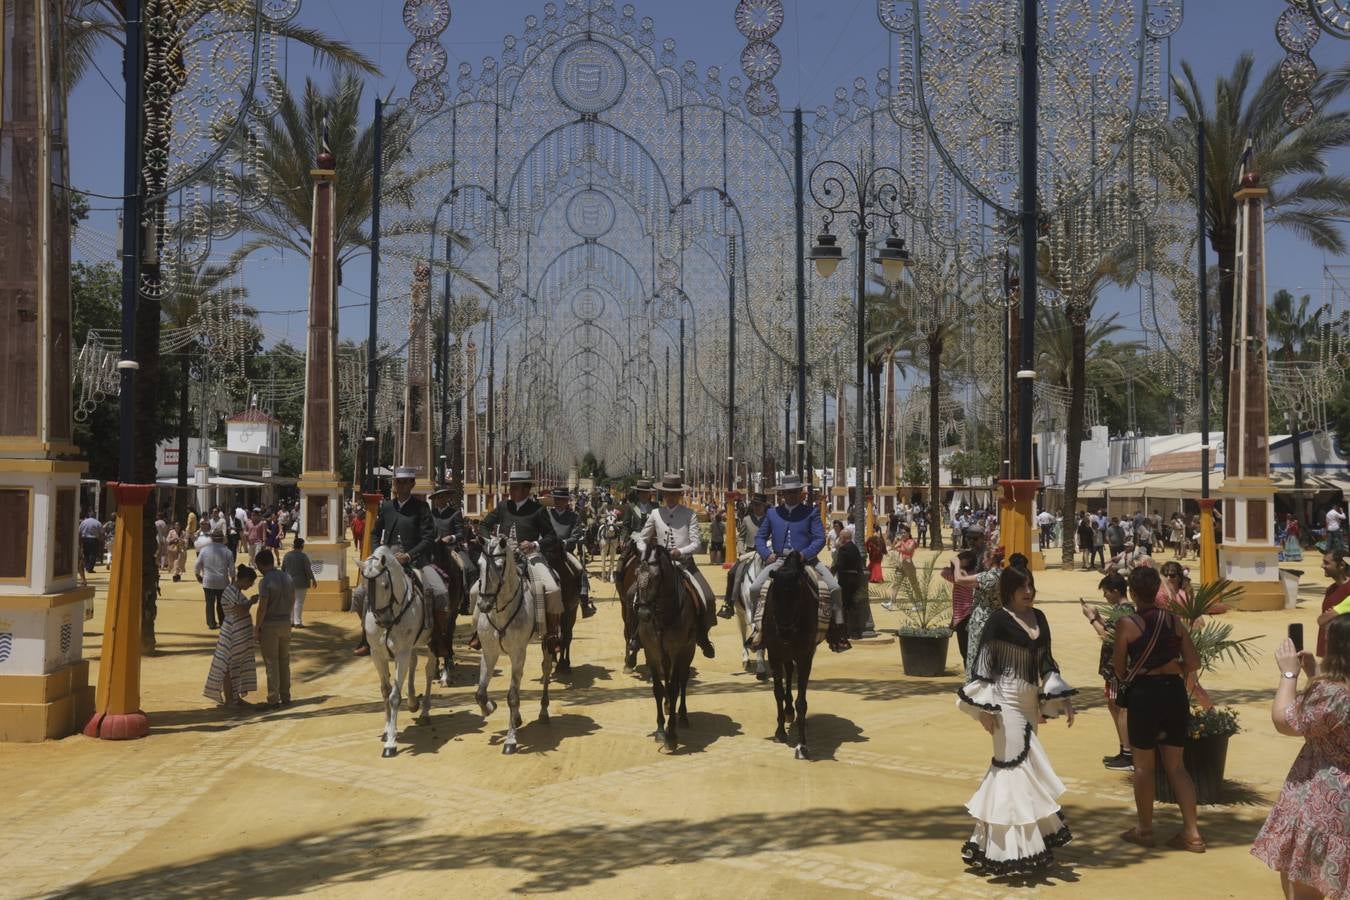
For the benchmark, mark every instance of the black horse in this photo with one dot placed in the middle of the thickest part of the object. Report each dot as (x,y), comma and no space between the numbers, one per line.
(790,635)
(667,626)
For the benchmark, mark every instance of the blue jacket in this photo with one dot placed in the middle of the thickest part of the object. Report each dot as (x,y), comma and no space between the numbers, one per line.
(802,525)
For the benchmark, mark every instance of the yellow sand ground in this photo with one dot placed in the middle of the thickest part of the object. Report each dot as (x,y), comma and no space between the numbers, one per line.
(298,801)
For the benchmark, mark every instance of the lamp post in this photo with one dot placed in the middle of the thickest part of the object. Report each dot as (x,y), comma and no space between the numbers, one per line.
(865,194)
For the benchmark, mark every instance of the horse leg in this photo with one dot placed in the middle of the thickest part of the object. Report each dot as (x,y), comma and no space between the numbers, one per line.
(548,674)
(803,676)
(743,627)
(380,660)
(672,692)
(513,700)
(425,717)
(413,699)
(684,688)
(780,702)
(486,663)
(659,694)
(789,669)
(391,705)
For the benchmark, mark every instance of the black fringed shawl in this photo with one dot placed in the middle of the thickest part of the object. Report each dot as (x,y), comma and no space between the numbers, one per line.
(1005,646)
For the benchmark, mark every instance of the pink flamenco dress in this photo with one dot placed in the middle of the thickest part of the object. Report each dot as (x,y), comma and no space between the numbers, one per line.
(1307,834)
(1016,808)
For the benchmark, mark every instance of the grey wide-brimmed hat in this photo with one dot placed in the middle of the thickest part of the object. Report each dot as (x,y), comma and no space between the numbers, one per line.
(671,483)
(440,492)
(759,498)
(520,476)
(401,472)
(643,484)
(790,483)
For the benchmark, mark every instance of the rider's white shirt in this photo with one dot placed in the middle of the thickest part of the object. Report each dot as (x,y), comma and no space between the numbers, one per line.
(680,523)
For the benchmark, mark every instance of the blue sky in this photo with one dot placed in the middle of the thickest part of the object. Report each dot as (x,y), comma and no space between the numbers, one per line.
(825,43)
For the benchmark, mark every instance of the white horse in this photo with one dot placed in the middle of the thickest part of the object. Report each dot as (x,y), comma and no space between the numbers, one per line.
(745,616)
(609,545)
(506,624)
(397,622)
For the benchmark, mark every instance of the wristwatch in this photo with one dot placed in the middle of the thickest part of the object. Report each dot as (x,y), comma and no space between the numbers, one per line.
(1290,674)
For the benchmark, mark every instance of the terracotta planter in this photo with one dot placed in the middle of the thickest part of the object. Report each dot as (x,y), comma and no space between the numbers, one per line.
(924,657)
(1205,759)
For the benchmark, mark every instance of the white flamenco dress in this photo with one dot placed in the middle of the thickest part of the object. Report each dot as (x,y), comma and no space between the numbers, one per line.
(1016,808)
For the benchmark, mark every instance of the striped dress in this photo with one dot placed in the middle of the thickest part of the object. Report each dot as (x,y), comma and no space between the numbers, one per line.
(233,661)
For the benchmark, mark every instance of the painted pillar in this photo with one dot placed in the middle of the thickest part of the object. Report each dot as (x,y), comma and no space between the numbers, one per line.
(887,487)
(1248,555)
(840,490)
(1015,519)
(322,489)
(44,681)
(417,417)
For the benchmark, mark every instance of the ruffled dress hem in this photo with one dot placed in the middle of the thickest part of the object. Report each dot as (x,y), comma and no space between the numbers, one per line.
(976,858)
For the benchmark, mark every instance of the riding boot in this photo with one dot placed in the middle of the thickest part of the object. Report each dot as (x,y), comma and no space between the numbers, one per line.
(553,639)
(704,643)
(726,612)
(363,648)
(587,606)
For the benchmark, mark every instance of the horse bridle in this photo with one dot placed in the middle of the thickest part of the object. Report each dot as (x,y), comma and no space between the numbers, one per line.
(382,615)
(490,558)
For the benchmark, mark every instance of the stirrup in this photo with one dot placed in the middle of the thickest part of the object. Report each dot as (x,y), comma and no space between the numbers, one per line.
(726,612)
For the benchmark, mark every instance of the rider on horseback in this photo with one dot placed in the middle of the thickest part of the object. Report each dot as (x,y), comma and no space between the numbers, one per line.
(451,552)
(536,542)
(746,529)
(636,512)
(571,531)
(405,524)
(793,525)
(675,525)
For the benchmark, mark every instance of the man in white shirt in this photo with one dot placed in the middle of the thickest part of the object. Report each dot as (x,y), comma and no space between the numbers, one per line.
(1335,539)
(1046,521)
(674,525)
(215,571)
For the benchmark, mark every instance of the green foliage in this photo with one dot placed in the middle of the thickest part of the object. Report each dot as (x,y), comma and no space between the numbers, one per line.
(926,611)
(915,471)
(592,468)
(1214,640)
(979,463)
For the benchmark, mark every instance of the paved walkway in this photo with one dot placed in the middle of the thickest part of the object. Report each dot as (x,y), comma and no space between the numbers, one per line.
(299,800)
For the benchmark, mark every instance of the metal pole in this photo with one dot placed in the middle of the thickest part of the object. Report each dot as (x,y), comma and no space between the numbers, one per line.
(801,286)
(372,359)
(731,359)
(668,422)
(860,456)
(445,366)
(681,394)
(132,235)
(1027,357)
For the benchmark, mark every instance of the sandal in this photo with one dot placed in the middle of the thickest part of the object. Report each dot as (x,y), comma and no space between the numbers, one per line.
(1179,841)
(1135,836)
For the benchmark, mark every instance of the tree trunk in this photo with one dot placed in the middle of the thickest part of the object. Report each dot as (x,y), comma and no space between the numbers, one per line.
(874,390)
(1011,406)
(147,439)
(180,496)
(1073,433)
(934,482)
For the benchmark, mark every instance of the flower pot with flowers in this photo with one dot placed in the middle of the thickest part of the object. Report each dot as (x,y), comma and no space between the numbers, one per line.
(1206,750)
(923,637)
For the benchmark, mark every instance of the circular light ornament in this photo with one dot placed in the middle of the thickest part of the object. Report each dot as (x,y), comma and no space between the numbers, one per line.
(589,77)
(590,214)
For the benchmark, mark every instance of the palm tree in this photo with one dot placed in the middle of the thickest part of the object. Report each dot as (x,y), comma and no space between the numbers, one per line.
(1296,332)
(197,290)
(1292,161)
(288,144)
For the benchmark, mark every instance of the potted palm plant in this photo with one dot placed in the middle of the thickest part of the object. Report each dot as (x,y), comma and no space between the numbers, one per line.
(926,607)
(1206,748)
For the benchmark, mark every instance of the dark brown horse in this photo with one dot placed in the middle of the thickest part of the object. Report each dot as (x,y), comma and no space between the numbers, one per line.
(790,636)
(570,585)
(625,579)
(667,625)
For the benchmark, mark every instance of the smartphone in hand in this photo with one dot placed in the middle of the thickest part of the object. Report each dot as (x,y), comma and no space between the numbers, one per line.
(1296,635)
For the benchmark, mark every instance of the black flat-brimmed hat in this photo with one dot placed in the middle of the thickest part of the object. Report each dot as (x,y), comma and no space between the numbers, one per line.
(440,492)
(671,483)
(560,494)
(643,484)
(759,498)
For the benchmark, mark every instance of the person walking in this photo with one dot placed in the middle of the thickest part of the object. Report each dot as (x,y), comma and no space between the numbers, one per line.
(1114,590)
(906,575)
(1083,538)
(215,572)
(1334,567)
(1016,686)
(189,526)
(276,600)
(91,540)
(876,553)
(300,570)
(1335,536)
(962,575)
(1306,837)
(233,670)
(176,541)
(256,536)
(1115,537)
(161,542)
(1152,656)
(1293,546)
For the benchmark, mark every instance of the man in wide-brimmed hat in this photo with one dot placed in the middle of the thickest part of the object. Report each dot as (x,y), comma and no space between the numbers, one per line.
(537,542)
(571,531)
(638,509)
(746,529)
(451,552)
(793,525)
(674,525)
(405,524)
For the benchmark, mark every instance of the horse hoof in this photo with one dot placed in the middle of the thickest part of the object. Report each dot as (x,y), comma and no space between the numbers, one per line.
(780,736)
(628,670)
(543,717)
(413,704)
(801,752)
(667,748)
(389,752)
(424,719)
(761,676)
(508,749)
(684,720)
(660,737)
(488,708)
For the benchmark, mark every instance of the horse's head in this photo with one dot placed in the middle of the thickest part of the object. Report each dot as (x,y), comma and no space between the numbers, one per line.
(788,583)
(499,566)
(385,578)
